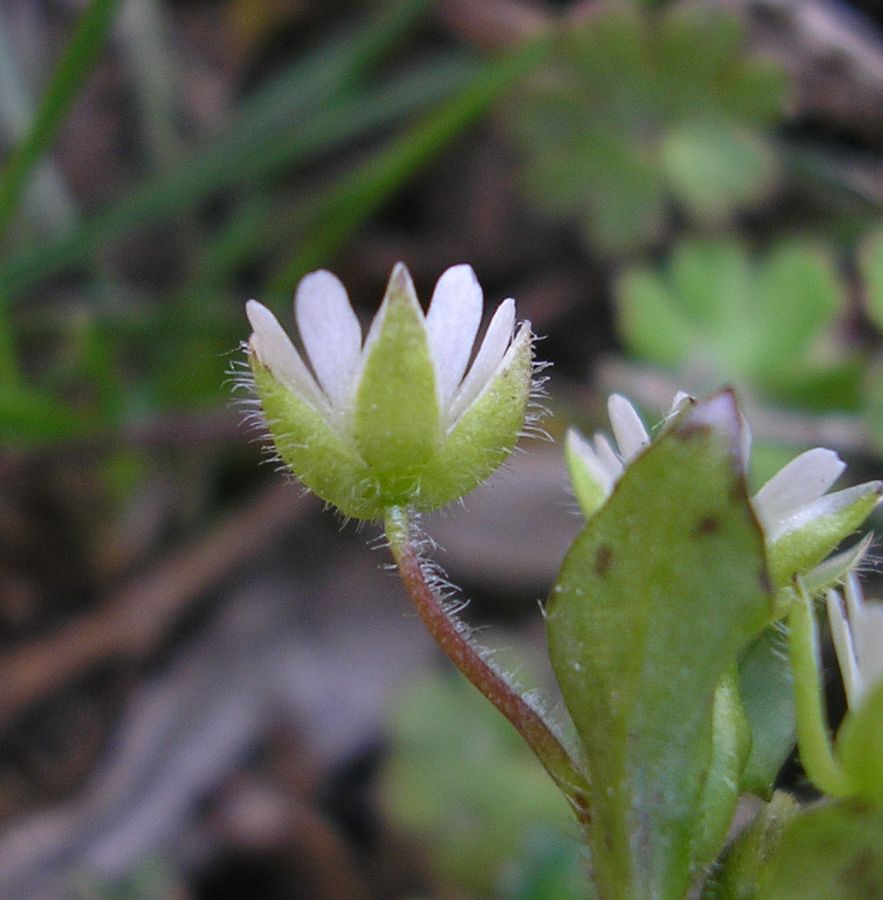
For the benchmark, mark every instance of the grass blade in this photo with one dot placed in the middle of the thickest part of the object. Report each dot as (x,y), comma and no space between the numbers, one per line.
(70,76)
(354,200)
(305,87)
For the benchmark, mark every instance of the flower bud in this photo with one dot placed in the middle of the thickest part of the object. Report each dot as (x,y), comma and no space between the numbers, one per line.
(399,421)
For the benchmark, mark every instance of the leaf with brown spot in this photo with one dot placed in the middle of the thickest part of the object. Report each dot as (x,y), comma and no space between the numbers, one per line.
(657,598)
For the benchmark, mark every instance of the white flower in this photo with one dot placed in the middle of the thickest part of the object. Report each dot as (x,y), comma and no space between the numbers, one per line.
(857,631)
(332,339)
(404,418)
(604,464)
(801,522)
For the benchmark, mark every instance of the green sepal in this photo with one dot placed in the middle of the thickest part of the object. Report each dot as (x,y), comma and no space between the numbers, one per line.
(316,452)
(649,612)
(484,435)
(800,549)
(833,571)
(859,746)
(829,852)
(395,424)
(730,747)
(589,492)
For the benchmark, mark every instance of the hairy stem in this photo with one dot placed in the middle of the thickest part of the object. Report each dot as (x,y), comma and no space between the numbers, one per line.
(453,639)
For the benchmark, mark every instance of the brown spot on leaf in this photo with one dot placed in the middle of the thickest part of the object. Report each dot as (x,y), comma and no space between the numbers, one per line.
(765,584)
(707,525)
(687,431)
(861,877)
(603,558)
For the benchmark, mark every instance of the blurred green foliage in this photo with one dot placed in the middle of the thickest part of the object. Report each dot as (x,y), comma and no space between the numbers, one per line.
(716,315)
(460,777)
(641,110)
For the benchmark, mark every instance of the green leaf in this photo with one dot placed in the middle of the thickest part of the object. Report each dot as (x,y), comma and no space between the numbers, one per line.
(649,612)
(626,198)
(831,852)
(798,295)
(649,322)
(768,701)
(731,742)
(756,94)
(871,265)
(396,416)
(711,284)
(716,168)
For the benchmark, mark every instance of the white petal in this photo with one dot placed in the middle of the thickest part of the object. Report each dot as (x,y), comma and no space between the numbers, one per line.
(451,325)
(607,456)
(855,599)
(331,334)
(274,349)
(803,480)
(631,436)
(868,640)
(866,631)
(597,469)
(496,340)
(844,648)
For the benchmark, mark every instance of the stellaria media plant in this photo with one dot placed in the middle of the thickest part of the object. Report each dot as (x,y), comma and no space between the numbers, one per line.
(679,589)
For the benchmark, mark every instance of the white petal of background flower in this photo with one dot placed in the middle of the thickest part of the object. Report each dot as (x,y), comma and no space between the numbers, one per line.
(274,349)
(867,633)
(607,456)
(844,647)
(631,436)
(331,334)
(596,467)
(451,325)
(490,354)
(801,481)
(858,639)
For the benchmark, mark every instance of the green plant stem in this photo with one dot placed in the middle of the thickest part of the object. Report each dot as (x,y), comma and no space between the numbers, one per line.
(452,637)
(75,66)
(813,738)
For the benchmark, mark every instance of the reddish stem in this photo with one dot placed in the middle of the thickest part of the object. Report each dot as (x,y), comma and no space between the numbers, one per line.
(452,638)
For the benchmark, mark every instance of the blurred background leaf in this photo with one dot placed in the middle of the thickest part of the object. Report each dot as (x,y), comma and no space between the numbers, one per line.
(642,110)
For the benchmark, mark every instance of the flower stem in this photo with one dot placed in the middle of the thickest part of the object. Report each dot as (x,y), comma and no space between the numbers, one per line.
(813,737)
(452,638)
